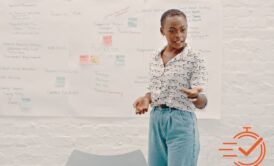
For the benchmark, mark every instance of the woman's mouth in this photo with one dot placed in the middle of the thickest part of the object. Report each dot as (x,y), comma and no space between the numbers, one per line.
(178,42)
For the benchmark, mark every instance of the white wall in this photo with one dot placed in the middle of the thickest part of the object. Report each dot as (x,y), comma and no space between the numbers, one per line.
(247,98)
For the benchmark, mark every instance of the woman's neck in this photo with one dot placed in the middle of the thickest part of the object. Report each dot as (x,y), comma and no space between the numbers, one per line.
(173,50)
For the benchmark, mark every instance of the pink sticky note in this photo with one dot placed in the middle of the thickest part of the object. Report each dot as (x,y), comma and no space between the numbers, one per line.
(107,40)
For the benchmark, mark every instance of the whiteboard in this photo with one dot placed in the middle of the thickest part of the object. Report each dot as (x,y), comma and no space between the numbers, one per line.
(90,58)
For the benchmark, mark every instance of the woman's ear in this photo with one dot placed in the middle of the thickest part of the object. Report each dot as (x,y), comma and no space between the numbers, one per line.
(162,31)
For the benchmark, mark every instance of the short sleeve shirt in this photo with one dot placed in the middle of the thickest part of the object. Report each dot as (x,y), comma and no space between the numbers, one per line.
(187,69)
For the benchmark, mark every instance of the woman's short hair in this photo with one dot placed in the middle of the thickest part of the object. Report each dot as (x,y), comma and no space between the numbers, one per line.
(171,12)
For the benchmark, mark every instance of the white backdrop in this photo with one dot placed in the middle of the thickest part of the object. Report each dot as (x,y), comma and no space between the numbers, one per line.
(89,58)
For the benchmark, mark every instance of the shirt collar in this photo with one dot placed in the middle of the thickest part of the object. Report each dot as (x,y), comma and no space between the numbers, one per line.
(179,56)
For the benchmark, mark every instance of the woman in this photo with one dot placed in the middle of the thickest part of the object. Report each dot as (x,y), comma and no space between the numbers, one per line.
(177,82)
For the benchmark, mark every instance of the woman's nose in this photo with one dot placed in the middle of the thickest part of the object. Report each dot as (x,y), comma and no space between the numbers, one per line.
(179,34)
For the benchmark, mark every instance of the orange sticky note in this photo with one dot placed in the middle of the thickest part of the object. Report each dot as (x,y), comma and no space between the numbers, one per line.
(84,59)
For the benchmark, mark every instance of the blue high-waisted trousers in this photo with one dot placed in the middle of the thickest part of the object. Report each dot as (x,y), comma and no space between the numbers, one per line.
(173,137)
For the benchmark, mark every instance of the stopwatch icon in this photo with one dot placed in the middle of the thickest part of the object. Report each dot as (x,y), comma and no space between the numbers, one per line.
(246,155)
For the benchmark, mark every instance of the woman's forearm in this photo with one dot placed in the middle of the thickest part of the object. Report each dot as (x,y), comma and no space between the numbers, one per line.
(148,95)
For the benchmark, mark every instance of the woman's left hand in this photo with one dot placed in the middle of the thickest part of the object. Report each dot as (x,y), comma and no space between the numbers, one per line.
(192,94)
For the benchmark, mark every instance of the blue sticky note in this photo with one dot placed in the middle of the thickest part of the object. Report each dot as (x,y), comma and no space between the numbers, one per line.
(132,22)
(26,103)
(120,60)
(60,81)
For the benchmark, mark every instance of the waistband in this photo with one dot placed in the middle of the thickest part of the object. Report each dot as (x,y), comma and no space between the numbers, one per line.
(163,106)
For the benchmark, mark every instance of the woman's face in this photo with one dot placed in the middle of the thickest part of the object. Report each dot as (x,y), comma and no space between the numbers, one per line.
(175,31)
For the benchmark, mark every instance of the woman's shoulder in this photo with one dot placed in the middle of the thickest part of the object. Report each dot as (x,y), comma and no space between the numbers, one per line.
(191,52)
(156,53)
(195,54)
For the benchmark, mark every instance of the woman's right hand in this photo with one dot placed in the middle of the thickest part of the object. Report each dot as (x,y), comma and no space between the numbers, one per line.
(141,105)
